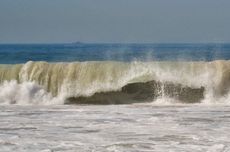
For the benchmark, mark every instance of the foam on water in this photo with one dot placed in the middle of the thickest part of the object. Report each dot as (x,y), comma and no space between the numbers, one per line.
(12,92)
(176,114)
(127,82)
(121,128)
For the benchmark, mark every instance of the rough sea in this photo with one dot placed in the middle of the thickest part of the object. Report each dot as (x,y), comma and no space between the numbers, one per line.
(84,97)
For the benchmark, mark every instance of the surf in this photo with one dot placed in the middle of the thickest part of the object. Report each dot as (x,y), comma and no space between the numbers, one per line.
(113,82)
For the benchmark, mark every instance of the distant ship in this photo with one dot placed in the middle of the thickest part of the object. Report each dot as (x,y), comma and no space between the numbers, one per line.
(78,43)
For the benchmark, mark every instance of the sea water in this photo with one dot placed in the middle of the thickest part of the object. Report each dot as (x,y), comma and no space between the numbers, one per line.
(114,97)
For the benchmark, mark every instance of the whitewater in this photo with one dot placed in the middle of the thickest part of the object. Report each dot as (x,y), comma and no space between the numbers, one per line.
(107,82)
(120,128)
(115,97)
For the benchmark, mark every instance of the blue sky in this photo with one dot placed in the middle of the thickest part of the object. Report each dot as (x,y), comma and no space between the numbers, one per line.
(141,21)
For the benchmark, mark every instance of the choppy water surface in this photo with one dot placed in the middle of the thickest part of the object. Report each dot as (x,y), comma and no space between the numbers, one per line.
(176,97)
(117,128)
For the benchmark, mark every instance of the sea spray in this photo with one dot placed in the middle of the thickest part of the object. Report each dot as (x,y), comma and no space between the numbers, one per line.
(42,82)
(25,93)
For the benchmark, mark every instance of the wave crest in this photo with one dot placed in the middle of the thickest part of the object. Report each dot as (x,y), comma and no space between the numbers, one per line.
(113,82)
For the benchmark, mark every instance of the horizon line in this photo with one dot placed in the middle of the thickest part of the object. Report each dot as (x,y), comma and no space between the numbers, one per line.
(129,43)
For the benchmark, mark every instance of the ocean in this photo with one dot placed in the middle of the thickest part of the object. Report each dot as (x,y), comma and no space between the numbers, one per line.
(115,97)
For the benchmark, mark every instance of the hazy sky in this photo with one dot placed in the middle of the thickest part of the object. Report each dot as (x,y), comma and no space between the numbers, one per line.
(49,21)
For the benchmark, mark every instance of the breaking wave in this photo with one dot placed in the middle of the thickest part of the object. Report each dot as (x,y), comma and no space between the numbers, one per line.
(107,82)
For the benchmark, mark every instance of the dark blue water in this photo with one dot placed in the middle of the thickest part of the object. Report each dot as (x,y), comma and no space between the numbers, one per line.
(21,53)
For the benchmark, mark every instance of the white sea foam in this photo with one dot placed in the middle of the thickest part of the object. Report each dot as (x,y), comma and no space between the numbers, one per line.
(12,92)
(121,128)
(48,83)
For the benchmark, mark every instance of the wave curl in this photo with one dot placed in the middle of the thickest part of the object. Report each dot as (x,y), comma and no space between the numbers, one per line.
(108,82)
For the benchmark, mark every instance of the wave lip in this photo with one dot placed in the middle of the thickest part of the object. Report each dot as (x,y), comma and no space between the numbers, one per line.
(108,82)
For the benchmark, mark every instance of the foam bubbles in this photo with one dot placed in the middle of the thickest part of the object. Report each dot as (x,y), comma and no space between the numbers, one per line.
(59,81)
(12,92)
